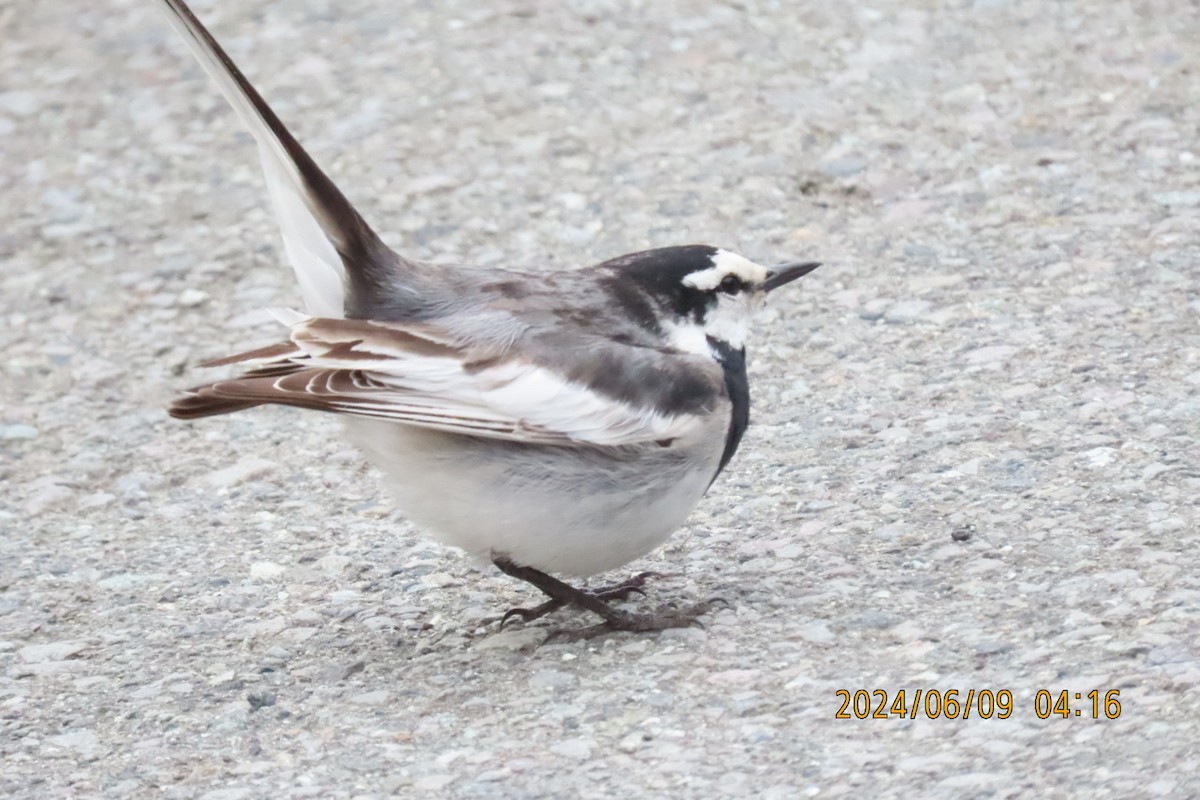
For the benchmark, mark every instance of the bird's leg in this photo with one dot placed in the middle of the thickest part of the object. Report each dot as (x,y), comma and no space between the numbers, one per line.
(562,594)
(616,591)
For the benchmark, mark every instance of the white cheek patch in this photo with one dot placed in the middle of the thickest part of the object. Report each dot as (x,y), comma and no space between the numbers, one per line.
(726,263)
(729,320)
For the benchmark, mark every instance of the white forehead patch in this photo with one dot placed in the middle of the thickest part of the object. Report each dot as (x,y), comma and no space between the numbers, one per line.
(726,263)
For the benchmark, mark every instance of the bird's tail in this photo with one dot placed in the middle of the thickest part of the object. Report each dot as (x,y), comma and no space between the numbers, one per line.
(339,261)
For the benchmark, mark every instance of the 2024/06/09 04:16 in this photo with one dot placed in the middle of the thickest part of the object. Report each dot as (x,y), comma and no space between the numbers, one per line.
(980,703)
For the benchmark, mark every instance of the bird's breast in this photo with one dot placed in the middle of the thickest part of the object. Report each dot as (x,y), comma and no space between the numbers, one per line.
(564,510)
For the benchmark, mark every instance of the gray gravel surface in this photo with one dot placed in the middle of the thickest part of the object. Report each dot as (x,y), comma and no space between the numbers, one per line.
(973,462)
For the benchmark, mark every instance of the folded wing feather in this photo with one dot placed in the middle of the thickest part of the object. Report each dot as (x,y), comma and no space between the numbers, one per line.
(409,374)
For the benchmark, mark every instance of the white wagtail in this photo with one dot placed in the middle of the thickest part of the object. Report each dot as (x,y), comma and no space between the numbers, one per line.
(561,422)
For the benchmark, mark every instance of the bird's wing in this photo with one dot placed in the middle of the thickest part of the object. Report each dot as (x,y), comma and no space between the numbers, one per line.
(411,374)
(325,238)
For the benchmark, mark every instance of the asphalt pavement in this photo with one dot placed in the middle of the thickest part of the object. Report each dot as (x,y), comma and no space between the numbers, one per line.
(973,464)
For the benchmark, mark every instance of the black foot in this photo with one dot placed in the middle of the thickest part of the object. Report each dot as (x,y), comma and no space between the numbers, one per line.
(661,621)
(621,591)
(530,614)
(596,601)
(640,623)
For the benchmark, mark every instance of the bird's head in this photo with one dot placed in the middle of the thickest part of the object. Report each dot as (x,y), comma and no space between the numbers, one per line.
(703,297)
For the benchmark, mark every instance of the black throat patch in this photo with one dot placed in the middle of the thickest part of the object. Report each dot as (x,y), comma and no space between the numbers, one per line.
(737,384)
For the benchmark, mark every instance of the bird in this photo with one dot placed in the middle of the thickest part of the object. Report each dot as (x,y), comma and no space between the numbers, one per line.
(556,423)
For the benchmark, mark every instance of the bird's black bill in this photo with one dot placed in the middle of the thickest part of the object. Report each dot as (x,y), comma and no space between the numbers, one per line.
(786,273)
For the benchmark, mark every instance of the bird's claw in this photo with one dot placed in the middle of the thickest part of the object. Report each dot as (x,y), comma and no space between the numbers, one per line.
(530,614)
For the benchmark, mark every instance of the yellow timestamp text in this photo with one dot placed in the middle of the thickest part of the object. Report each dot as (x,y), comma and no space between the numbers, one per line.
(977,703)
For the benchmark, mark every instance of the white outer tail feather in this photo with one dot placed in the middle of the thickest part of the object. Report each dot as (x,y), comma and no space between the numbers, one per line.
(314,259)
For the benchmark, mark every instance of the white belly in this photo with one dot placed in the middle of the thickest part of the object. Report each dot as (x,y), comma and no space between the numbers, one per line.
(558,510)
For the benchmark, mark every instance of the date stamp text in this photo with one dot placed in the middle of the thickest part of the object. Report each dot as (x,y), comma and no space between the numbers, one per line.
(975,703)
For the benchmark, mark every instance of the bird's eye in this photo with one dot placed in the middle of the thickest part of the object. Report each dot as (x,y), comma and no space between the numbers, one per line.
(730,284)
